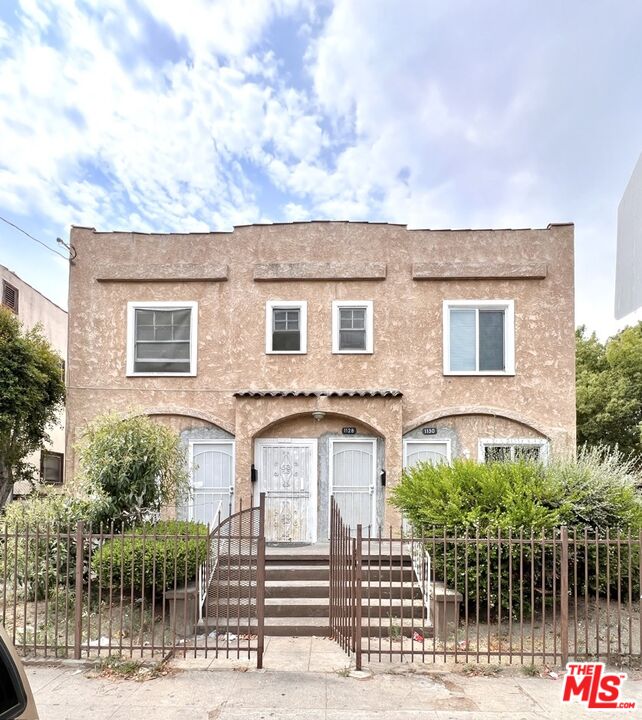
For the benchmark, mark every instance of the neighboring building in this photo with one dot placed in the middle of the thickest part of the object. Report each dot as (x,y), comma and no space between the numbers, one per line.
(628,271)
(33,308)
(313,359)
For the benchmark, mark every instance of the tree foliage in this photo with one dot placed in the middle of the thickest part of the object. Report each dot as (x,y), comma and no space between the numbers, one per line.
(32,391)
(609,390)
(135,464)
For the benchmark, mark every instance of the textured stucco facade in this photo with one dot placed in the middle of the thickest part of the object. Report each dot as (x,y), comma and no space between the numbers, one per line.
(35,309)
(406,274)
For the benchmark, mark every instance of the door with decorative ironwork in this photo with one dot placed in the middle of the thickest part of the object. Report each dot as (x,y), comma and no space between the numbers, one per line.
(287,475)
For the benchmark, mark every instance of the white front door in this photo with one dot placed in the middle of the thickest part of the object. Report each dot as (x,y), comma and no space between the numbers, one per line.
(352,481)
(430,451)
(212,480)
(287,474)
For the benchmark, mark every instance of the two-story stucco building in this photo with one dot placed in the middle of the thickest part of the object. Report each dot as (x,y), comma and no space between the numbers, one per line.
(307,360)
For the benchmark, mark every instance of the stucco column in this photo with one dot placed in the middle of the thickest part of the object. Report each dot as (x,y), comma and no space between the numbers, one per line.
(393,466)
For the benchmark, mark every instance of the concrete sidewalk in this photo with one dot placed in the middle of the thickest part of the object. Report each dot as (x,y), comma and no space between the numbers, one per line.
(319,688)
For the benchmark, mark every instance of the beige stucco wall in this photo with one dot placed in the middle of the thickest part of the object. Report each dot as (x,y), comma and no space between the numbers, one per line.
(33,309)
(407,328)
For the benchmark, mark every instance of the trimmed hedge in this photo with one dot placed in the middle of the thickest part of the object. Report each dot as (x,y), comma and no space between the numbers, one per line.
(152,556)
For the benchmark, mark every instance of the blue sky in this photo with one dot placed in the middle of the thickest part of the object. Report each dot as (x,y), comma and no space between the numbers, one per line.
(196,115)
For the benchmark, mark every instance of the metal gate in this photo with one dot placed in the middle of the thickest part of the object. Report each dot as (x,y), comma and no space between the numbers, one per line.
(233,599)
(345,584)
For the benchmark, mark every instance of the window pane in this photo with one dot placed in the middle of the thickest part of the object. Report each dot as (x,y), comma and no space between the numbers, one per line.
(462,339)
(144,317)
(280,316)
(163,332)
(491,340)
(292,319)
(496,453)
(144,332)
(157,350)
(162,367)
(358,318)
(527,452)
(162,317)
(345,315)
(51,468)
(181,332)
(286,340)
(352,339)
(181,318)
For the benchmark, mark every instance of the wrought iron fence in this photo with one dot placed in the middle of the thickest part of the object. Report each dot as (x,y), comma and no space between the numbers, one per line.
(345,584)
(84,591)
(505,597)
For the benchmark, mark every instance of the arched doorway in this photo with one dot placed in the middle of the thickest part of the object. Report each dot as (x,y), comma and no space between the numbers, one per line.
(303,460)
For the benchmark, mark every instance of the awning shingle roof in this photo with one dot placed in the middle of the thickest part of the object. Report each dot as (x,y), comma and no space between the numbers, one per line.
(381,392)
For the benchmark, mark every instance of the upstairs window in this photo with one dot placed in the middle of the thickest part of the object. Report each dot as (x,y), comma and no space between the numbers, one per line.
(10,296)
(352,326)
(286,327)
(162,338)
(479,337)
(51,464)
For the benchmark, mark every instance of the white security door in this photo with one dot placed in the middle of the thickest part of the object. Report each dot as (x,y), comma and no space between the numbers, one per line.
(212,478)
(352,481)
(287,474)
(430,451)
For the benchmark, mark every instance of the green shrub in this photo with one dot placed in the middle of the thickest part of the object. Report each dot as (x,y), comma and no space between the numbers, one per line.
(43,558)
(598,491)
(135,464)
(154,555)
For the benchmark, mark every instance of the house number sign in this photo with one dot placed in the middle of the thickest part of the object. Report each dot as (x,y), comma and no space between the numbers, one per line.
(349,430)
(430,431)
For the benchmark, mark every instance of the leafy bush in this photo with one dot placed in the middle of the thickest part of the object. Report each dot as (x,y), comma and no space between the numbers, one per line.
(137,465)
(43,558)
(597,491)
(152,556)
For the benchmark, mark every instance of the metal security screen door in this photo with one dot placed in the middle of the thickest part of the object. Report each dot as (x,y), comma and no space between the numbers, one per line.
(430,451)
(352,481)
(287,474)
(212,478)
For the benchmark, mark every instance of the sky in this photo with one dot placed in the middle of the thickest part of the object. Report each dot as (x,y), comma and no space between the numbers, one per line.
(158,115)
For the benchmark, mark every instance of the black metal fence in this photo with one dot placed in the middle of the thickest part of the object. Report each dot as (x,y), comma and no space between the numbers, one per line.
(505,597)
(84,591)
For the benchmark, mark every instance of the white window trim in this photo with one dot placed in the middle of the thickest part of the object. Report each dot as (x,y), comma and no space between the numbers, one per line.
(508,306)
(369,323)
(165,305)
(432,441)
(302,306)
(542,443)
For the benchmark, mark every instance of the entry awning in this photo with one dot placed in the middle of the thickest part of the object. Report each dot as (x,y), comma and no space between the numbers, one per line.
(382,392)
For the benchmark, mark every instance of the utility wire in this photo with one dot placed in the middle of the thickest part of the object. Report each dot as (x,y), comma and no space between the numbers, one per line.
(24,232)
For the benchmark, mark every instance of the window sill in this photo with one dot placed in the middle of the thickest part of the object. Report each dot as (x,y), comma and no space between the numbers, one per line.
(152,374)
(353,352)
(286,352)
(480,373)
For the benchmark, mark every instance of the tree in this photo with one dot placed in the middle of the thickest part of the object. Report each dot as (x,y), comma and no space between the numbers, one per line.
(32,392)
(609,390)
(135,465)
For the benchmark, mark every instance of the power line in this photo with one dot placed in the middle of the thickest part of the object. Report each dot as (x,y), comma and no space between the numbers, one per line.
(24,232)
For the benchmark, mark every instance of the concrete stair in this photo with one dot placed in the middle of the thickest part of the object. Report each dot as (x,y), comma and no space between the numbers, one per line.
(297,597)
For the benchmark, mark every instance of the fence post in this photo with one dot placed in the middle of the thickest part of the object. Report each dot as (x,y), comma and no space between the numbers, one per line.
(79,589)
(564,596)
(260,585)
(358,567)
